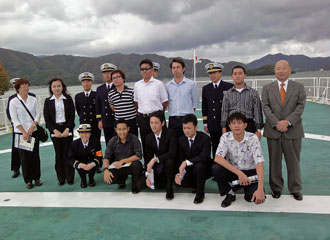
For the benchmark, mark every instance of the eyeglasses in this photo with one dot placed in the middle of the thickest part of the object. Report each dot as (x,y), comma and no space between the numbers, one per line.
(145,69)
(116,77)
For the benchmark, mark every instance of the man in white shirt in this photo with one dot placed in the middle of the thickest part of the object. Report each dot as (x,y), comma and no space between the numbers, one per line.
(239,156)
(149,96)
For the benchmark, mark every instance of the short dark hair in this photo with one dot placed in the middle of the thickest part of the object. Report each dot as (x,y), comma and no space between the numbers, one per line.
(238,66)
(158,114)
(146,61)
(122,74)
(63,86)
(190,118)
(178,60)
(121,121)
(20,82)
(236,116)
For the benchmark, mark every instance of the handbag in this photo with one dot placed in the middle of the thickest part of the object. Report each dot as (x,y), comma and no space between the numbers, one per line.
(41,133)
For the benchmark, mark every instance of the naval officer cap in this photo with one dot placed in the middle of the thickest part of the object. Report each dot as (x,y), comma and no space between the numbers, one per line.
(156,66)
(84,128)
(86,76)
(108,67)
(13,80)
(213,67)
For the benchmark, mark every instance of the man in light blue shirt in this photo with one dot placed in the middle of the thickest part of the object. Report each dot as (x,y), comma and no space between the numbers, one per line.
(182,94)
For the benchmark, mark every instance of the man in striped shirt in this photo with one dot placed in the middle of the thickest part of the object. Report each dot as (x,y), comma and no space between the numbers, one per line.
(243,99)
(121,100)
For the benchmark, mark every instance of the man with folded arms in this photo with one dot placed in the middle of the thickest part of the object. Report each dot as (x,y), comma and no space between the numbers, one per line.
(238,157)
(125,149)
(85,155)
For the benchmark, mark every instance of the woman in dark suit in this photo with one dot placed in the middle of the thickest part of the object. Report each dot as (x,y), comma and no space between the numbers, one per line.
(59,114)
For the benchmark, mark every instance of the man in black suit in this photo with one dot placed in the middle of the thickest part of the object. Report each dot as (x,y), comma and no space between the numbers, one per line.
(15,160)
(212,95)
(104,114)
(85,155)
(160,155)
(194,157)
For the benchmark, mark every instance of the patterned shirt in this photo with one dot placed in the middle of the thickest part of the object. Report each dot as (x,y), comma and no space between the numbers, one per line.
(123,103)
(244,155)
(246,102)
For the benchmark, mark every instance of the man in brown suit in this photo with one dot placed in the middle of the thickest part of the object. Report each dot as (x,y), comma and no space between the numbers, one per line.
(283,104)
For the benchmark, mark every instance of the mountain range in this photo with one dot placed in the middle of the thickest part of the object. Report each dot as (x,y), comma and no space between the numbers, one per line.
(40,69)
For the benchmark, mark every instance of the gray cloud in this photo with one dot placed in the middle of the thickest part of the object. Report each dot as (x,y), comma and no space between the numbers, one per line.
(222,30)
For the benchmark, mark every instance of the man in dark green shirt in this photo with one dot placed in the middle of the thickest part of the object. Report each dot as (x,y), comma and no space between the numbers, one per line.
(121,158)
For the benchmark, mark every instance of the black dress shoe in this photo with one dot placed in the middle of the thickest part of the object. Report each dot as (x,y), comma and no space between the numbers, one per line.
(83,184)
(29,185)
(70,182)
(38,183)
(121,186)
(169,195)
(298,196)
(199,198)
(15,174)
(228,200)
(61,183)
(91,183)
(135,190)
(276,194)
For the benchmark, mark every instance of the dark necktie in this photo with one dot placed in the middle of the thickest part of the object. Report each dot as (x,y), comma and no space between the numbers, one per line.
(108,87)
(158,138)
(215,86)
(191,142)
(86,94)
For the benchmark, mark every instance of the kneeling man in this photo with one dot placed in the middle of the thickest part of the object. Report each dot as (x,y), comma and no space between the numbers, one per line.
(125,149)
(160,155)
(239,156)
(85,155)
(194,158)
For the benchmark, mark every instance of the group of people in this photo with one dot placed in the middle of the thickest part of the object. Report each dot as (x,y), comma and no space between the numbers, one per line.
(174,153)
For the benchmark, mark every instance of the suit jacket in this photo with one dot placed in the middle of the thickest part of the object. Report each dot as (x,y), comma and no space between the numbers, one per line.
(50,113)
(200,151)
(85,107)
(167,146)
(212,103)
(78,154)
(102,106)
(291,111)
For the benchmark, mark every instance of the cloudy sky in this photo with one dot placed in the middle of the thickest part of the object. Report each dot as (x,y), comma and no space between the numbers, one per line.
(240,30)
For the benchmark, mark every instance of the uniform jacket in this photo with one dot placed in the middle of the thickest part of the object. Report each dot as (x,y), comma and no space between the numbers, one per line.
(103,110)
(85,107)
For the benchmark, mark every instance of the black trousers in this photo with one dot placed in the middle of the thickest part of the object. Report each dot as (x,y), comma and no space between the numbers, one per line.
(175,123)
(64,170)
(196,177)
(15,161)
(223,176)
(164,174)
(82,173)
(215,139)
(133,128)
(108,134)
(144,126)
(120,175)
(30,163)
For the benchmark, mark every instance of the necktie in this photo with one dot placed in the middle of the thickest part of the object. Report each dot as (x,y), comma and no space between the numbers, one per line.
(158,138)
(191,142)
(86,94)
(108,87)
(282,93)
(215,86)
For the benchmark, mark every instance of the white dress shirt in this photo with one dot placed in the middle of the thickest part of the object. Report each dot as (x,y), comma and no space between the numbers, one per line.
(150,95)
(20,116)
(59,108)
(285,85)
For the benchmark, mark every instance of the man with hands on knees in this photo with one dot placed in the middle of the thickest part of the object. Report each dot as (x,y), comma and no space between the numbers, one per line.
(125,149)
(85,155)
(239,156)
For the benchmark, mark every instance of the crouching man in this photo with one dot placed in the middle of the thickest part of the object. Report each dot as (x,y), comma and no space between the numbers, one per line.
(125,149)
(238,157)
(85,155)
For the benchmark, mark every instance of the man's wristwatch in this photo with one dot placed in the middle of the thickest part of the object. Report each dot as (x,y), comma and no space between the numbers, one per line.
(104,169)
